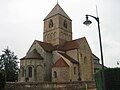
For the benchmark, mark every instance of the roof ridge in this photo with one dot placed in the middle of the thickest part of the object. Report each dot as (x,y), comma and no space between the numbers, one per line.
(46,46)
(73,44)
(78,39)
(69,58)
(43,42)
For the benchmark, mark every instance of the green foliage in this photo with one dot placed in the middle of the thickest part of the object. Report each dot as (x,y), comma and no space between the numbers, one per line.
(112,79)
(98,80)
(2,80)
(8,63)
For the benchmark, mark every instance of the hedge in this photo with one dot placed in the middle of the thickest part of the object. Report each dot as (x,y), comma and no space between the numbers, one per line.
(112,79)
(2,80)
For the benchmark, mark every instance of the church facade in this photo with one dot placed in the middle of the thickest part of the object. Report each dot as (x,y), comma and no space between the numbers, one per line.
(58,57)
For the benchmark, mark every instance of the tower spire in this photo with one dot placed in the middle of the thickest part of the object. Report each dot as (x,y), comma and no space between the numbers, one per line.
(58,27)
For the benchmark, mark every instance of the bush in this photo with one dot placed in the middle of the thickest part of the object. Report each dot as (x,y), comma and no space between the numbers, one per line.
(2,80)
(112,79)
(98,80)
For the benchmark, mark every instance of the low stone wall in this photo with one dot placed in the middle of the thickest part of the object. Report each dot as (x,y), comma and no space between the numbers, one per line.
(82,85)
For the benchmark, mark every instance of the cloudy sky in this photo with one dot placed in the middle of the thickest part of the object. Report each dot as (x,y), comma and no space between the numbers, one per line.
(21,22)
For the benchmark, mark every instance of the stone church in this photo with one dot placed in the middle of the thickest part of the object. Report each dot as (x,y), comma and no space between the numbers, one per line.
(58,58)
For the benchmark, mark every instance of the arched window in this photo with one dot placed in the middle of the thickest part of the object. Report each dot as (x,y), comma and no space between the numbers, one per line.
(50,23)
(48,37)
(65,23)
(81,55)
(55,74)
(85,59)
(29,71)
(54,35)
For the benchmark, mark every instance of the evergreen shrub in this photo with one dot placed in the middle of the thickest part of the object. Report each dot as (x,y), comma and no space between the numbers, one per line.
(112,79)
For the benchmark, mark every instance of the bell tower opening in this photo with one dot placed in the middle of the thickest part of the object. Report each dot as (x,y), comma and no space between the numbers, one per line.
(57,27)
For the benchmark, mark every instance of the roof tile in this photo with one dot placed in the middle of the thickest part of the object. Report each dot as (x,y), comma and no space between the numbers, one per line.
(46,46)
(69,45)
(60,63)
(73,44)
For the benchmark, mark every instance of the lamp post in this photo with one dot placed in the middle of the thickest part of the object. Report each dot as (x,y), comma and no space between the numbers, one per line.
(118,62)
(88,22)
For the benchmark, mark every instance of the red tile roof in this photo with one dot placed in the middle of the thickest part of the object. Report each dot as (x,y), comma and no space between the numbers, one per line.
(58,47)
(69,45)
(60,63)
(46,46)
(73,44)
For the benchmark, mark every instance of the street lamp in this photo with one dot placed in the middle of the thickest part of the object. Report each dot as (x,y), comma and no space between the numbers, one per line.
(88,22)
(118,62)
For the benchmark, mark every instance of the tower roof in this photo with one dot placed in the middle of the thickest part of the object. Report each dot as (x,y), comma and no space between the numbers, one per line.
(57,10)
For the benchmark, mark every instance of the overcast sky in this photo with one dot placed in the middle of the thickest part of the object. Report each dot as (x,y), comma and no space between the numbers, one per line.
(21,22)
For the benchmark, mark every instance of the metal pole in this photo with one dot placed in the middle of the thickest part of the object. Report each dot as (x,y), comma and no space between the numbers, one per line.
(101,51)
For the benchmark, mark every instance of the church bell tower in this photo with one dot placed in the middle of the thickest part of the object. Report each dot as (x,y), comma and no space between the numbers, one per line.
(57,27)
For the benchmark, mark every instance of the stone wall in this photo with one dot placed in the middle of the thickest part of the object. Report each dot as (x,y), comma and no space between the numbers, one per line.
(73,53)
(86,62)
(62,74)
(82,85)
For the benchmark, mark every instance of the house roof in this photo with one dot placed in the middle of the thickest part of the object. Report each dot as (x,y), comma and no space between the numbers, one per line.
(33,55)
(46,46)
(69,58)
(58,47)
(73,44)
(57,10)
(61,63)
(69,45)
